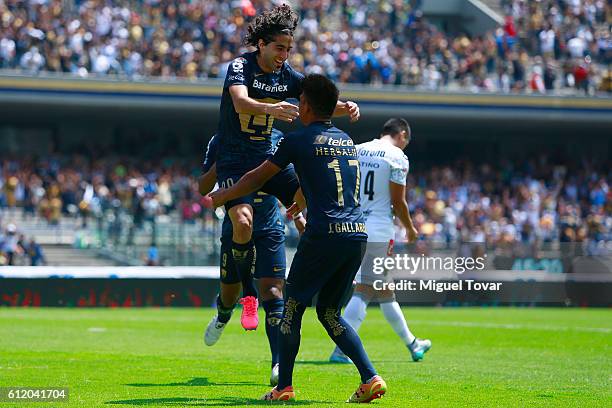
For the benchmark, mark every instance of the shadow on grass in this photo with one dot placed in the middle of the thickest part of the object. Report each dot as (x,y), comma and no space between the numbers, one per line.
(329,363)
(204,402)
(319,362)
(195,382)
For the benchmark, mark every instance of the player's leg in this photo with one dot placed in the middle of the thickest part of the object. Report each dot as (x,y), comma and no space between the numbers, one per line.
(243,253)
(300,287)
(356,309)
(354,314)
(270,269)
(243,247)
(329,304)
(228,296)
(394,316)
(271,290)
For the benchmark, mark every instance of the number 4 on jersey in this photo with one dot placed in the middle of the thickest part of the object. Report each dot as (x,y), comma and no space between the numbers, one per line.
(368,185)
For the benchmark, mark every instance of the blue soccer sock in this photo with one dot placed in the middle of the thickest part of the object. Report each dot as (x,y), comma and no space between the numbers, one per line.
(289,341)
(244,260)
(347,340)
(224,313)
(274,314)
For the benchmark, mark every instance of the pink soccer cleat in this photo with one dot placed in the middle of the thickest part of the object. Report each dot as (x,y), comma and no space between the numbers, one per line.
(249,318)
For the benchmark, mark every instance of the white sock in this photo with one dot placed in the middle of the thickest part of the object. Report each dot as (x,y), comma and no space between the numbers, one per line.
(355,312)
(395,317)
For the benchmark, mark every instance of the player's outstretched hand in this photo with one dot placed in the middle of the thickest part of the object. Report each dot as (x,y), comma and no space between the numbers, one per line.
(284,111)
(353,111)
(299,203)
(412,234)
(300,223)
(217,197)
(294,210)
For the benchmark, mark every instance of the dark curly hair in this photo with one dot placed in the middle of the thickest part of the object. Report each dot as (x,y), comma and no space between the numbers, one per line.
(321,94)
(279,20)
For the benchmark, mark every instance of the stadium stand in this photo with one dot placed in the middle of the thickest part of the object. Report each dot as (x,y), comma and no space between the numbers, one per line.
(138,209)
(544,46)
(534,200)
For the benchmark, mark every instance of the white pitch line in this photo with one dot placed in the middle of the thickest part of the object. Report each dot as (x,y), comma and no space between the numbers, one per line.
(512,326)
(96,329)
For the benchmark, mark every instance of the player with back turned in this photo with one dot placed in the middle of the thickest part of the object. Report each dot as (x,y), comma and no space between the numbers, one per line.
(383,195)
(331,248)
(254,93)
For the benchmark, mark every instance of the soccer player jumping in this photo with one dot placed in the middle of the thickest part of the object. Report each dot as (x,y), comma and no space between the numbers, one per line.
(254,93)
(383,194)
(270,265)
(332,246)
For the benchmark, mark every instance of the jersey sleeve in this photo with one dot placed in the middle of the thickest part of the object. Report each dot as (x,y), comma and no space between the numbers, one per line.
(285,151)
(237,73)
(295,83)
(398,169)
(210,157)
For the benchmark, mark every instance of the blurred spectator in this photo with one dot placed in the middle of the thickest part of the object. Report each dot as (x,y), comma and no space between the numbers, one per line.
(152,258)
(10,245)
(36,254)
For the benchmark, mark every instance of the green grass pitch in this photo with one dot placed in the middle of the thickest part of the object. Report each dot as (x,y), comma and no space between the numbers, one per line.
(486,357)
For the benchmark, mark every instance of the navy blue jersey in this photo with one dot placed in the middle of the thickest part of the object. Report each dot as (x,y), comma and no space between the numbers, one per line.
(325,161)
(210,156)
(267,217)
(246,139)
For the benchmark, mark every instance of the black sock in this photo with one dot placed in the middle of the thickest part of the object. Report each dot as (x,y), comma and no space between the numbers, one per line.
(224,314)
(244,260)
(347,340)
(274,314)
(289,341)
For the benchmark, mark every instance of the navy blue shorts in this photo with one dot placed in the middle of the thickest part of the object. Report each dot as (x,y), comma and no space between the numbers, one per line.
(283,186)
(325,266)
(270,260)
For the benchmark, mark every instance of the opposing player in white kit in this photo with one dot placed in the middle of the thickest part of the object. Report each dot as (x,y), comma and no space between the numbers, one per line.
(384,168)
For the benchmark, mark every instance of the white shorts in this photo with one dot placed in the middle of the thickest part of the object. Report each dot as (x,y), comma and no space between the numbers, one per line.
(371,270)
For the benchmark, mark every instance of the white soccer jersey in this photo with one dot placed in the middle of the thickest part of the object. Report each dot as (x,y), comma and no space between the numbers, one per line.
(380,163)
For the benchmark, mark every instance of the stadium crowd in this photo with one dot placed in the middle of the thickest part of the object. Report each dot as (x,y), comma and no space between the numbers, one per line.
(543,46)
(458,202)
(538,201)
(80,187)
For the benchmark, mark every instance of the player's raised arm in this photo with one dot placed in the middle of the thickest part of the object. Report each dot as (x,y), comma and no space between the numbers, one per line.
(244,104)
(249,183)
(207,181)
(348,108)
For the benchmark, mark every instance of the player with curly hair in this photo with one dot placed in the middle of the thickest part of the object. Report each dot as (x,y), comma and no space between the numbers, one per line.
(255,91)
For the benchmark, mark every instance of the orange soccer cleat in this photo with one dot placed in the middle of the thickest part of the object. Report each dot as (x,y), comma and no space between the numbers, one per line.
(286,394)
(375,388)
